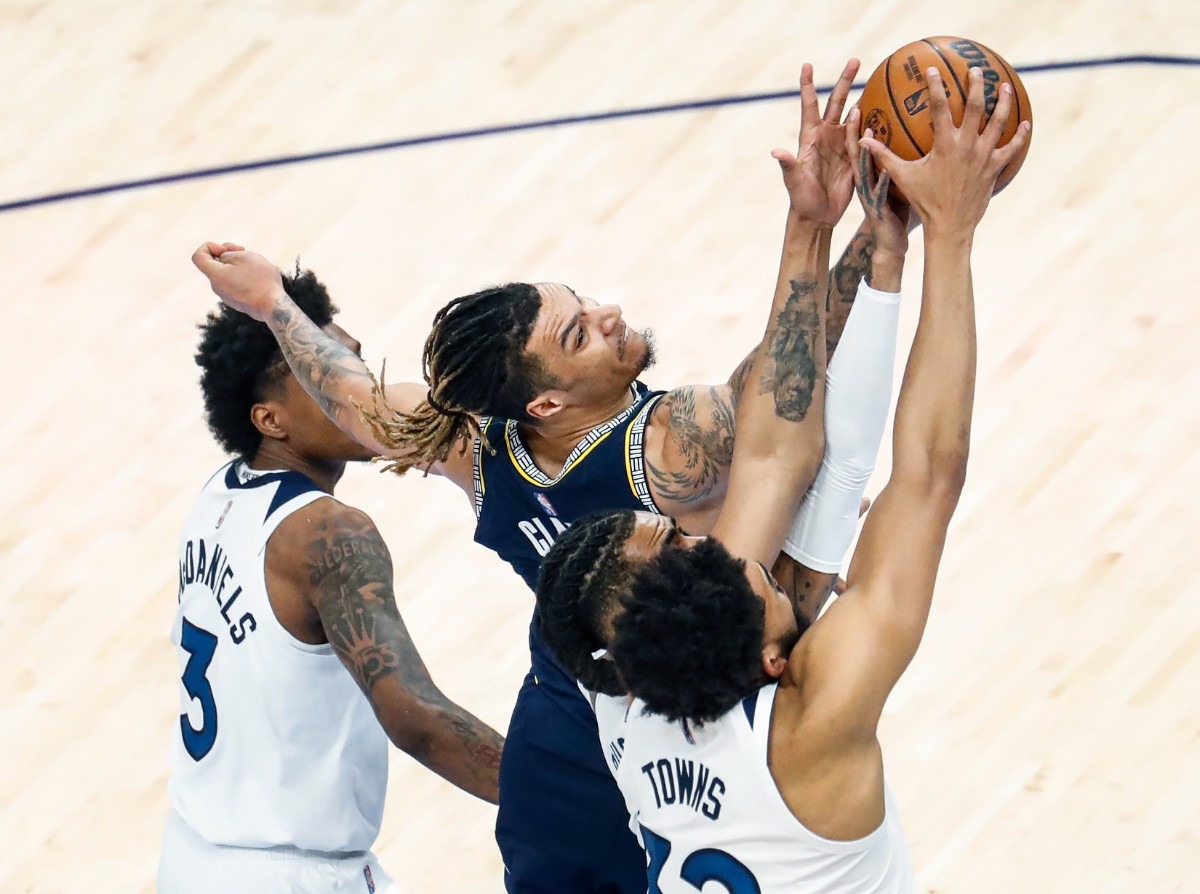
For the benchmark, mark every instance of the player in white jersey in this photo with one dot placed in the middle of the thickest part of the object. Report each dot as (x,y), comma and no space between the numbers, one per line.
(749,757)
(295,665)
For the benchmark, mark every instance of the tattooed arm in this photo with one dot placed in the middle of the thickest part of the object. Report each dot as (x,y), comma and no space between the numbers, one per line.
(780,416)
(332,559)
(876,252)
(333,375)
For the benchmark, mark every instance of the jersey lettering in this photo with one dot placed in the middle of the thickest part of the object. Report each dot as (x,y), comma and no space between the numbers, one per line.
(200,646)
(210,568)
(539,535)
(687,783)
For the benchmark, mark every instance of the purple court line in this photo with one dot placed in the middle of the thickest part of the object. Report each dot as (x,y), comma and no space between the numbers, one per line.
(280,161)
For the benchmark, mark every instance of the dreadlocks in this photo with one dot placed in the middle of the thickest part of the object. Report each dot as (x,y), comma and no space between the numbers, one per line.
(582,580)
(475,364)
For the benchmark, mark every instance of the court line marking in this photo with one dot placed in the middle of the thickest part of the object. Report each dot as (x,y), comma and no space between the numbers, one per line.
(495,130)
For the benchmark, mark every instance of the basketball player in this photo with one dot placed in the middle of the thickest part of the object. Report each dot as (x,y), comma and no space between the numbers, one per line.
(295,664)
(748,751)
(548,380)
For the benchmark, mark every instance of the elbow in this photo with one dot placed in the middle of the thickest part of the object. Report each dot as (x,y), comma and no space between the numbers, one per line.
(947,475)
(414,729)
(934,478)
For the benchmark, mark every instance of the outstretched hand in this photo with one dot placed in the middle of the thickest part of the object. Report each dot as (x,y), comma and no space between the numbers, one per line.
(951,186)
(819,177)
(242,279)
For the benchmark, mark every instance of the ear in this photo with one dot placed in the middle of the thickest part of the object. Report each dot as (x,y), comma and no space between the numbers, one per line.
(268,418)
(774,662)
(546,404)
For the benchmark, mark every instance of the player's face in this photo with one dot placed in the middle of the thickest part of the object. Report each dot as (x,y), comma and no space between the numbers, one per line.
(587,347)
(780,630)
(653,533)
(310,432)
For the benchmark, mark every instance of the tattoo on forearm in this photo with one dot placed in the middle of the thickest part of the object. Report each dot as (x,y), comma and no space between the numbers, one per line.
(790,373)
(319,362)
(852,266)
(705,449)
(351,571)
(478,740)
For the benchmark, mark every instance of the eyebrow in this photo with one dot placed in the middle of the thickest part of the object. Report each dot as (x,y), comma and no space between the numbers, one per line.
(562,339)
(672,534)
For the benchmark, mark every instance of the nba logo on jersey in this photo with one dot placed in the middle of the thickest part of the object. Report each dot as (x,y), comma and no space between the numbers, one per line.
(541,498)
(370,879)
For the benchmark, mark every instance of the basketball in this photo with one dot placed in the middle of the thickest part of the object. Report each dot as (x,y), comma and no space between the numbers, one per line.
(895,101)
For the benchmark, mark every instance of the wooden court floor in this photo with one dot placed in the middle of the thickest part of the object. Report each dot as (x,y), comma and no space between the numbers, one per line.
(1047,737)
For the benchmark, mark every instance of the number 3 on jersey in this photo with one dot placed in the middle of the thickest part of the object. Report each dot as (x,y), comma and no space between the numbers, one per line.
(706,865)
(200,646)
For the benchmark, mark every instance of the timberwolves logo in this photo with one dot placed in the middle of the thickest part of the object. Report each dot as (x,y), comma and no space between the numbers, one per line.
(880,126)
(541,498)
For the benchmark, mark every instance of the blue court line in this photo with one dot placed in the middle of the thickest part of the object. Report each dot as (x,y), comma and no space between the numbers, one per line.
(280,161)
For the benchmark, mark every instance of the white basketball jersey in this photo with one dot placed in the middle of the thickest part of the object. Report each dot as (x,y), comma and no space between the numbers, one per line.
(707,810)
(275,743)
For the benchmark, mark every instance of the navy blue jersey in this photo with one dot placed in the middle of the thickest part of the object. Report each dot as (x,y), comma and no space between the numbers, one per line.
(561,824)
(521,510)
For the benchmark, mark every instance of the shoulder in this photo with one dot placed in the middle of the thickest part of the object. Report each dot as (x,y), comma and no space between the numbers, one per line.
(324,530)
(689,446)
(695,407)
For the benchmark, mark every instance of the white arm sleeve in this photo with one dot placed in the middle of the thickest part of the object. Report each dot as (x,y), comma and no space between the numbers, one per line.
(858,394)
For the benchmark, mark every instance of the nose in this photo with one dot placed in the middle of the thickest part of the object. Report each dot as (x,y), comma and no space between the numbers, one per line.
(609,316)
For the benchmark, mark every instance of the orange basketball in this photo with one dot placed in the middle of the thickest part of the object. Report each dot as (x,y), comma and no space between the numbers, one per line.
(895,102)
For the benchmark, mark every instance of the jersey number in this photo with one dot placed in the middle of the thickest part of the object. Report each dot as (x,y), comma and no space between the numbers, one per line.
(200,646)
(706,865)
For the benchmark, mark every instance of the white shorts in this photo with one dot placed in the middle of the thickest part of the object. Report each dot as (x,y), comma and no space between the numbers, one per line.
(190,865)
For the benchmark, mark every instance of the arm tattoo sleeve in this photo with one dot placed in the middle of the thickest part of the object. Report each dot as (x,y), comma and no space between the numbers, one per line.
(790,371)
(351,571)
(705,449)
(852,266)
(322,365)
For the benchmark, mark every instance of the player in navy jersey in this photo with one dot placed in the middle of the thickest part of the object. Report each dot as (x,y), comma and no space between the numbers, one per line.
(548,379)
(706,667)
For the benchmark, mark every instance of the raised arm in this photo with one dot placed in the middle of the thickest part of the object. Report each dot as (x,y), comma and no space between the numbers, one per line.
(780,413)
(333,375)
(336,557)
(857,651)
(690,475)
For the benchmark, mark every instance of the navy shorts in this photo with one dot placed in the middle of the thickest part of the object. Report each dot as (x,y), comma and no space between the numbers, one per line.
(562,824)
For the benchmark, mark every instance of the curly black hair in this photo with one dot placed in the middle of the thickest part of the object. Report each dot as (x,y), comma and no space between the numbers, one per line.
(689,642)
(240,361)
(582,579)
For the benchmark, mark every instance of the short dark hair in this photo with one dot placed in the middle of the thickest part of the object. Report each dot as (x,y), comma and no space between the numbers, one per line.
(582,580)
(475,364)
(240,361)
(689,641)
